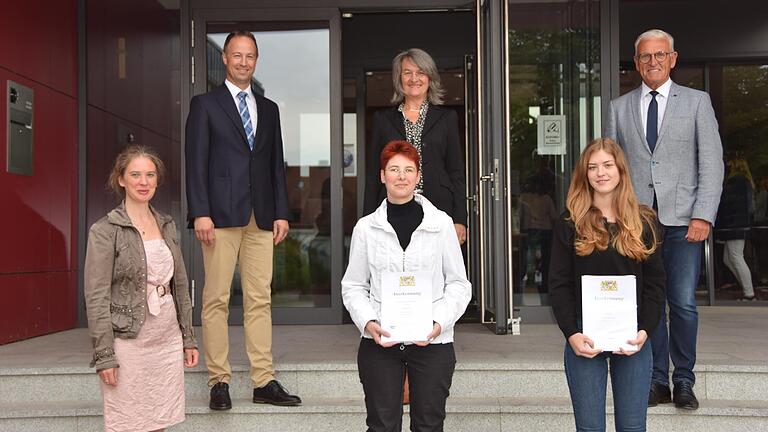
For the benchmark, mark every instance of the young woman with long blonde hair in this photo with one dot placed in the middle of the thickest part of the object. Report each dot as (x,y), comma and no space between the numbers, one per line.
(606,232)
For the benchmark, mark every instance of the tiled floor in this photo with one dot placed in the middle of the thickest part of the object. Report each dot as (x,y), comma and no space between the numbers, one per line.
(727,336)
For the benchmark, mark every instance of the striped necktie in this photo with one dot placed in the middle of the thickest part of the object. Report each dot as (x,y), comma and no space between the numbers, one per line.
(245,116)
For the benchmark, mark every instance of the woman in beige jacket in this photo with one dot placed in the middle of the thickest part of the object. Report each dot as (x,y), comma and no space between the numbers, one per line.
(138,305)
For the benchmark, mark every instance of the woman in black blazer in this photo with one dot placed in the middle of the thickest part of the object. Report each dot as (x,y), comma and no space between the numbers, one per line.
(419,118)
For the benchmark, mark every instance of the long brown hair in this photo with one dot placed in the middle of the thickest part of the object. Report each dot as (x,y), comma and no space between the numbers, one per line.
(591,232)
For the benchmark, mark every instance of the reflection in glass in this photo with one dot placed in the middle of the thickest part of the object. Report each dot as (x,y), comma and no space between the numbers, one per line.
(554,52)
(739,93)
(350,162)
(293,70)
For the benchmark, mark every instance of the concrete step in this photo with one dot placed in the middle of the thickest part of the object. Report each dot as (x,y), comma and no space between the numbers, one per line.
(319,380)
(338,414)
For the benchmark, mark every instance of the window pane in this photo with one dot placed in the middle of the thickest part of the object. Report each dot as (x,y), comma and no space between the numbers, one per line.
(740,93)
(293,70)
(554,50)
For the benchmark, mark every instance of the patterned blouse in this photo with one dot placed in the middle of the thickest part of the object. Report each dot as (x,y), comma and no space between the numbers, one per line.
(413,134)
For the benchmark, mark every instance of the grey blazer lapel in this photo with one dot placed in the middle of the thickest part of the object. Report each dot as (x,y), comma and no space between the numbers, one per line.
(637,117)
(672,103)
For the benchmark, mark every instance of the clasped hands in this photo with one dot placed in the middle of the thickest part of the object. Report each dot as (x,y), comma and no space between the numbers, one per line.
(374,329)
(583,346)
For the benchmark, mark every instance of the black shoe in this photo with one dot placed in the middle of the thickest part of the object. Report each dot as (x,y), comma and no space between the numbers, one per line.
(659,394)
(220,400)
(684,397)
(273,393)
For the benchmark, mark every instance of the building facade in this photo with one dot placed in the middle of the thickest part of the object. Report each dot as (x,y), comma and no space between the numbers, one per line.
(102,74)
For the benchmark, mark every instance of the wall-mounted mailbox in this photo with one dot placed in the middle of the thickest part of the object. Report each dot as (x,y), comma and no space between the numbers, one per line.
(20,116)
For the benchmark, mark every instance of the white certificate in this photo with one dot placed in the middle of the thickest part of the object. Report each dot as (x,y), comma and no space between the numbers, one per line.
(609,311)
(406,306)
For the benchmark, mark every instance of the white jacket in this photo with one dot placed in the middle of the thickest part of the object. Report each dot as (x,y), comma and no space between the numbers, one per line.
(434,247)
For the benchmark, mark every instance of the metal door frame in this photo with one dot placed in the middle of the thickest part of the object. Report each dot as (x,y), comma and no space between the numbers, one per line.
(494,202)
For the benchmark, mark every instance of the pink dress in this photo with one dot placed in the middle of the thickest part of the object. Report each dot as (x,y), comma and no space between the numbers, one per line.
(150,380)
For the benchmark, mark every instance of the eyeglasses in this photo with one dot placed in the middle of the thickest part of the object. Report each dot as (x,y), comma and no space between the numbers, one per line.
(418,74)
(397,171)
(659,56)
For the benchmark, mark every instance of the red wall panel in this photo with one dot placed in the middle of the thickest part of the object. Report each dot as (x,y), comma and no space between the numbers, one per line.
(42,303)
(38,278)
(38,39)
(146,90)
(44,204)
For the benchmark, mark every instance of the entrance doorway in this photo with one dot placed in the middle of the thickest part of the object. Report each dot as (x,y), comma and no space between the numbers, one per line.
(369,43)
(329,71)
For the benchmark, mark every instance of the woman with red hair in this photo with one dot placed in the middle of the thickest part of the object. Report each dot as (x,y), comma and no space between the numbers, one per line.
(406,233)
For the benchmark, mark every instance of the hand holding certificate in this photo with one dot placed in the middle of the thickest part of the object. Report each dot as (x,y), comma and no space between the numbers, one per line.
(406,306)
(609,311)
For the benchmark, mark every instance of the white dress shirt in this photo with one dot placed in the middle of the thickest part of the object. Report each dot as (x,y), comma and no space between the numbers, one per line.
(661,100)
(250,101)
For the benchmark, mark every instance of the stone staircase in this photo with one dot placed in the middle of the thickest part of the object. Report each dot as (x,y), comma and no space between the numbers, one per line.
(501,383)
(484,397)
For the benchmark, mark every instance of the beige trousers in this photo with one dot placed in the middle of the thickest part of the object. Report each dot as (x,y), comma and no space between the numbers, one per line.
(252,248)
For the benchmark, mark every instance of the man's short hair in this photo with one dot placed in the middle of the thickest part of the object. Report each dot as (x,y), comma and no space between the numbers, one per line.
(240,33)
(656,34)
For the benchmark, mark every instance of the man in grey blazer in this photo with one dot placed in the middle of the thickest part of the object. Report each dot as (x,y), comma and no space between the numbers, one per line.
(671,139)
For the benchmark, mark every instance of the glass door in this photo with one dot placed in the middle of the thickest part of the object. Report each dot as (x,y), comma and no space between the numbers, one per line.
(491,205)
(298,69)
(554,80)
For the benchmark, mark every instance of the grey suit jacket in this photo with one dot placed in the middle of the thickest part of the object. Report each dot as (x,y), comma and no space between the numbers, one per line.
(686,167)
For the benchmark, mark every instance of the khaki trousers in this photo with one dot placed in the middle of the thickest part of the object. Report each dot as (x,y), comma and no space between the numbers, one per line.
(252,248)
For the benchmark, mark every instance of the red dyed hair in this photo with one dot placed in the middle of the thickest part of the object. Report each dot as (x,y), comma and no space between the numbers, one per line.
(403,148)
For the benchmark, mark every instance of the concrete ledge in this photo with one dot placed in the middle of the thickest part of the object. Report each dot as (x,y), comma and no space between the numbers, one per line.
(317,380)
(338,414)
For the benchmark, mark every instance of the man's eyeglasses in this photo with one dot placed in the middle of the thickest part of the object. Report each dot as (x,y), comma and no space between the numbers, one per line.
(396,170)
(659,56)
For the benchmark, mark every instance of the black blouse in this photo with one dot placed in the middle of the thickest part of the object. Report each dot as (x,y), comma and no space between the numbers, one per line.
(566,269)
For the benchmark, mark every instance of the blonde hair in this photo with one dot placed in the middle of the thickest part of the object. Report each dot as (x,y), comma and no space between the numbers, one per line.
(125,157)
(739,166)
(591,232)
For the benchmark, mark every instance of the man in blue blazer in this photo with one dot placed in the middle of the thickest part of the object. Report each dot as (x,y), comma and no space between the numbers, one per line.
(238,206)
(671,139)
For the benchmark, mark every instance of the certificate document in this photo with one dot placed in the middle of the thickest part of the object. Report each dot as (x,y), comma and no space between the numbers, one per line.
(406,306)
(609,311)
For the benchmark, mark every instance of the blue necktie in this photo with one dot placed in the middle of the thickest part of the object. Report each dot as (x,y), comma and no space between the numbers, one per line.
(651,124)
(245,116)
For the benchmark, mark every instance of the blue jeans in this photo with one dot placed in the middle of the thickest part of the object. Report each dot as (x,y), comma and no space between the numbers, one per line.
(630,382)
(682,262)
